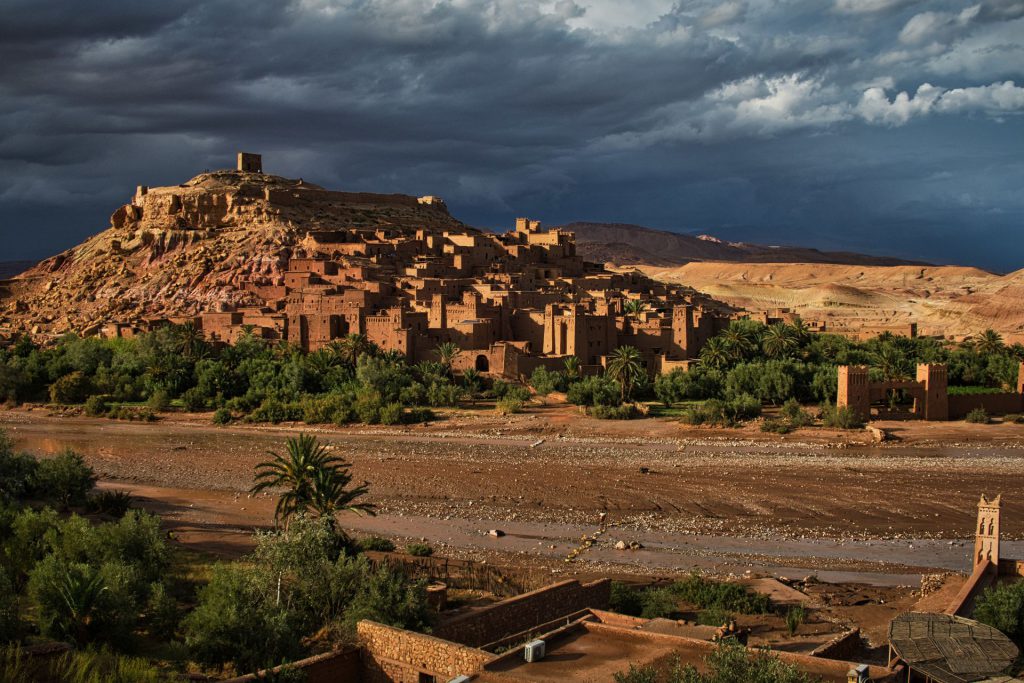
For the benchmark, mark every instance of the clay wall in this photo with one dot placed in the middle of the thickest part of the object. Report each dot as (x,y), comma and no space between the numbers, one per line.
(523,612)
(331,667)
(391,655)
(1001,403)
(984,575)
(844,646)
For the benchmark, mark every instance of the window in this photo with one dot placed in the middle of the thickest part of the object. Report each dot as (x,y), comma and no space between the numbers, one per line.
(427,678)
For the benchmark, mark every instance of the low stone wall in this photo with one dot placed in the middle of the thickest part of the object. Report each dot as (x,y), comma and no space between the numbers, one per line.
(391,655)
(844,646)
(999,403)
(524,612)
(1011,567)
(331,667)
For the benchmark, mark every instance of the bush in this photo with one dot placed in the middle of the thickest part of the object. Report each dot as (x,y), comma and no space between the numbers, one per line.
(795,414)
(96,405)
(81,603)
(388,597)
(732,597)
(222,416)
(367,406)
(159,401)
(714,616)
(545,381)
(73,387)
(723,413)
(657,603)
(235,621)
(508,405)
(840,417)
(626,411)
(162,612)
(65,479)
(416,415)
(325,408)
(594,391)
(776,426)
(977,416)
(444,394)
(625,599)
(194,400)
(729,663)
(10,623)
(104,666)
(391,414)
(17,471)
(113,503)
(794,617)
(1002,607)
(419,550)
(376,543)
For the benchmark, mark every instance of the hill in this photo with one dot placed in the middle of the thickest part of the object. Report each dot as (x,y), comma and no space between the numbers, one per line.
(942,300)
(625,244)
(180,250)
(11,268)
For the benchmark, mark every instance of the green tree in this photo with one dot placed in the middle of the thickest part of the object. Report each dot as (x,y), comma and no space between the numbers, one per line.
(66,479)
(634,308)
(779,341)
(351,348)
(573,371)
(626,366)
(989,342)
(1002,608)
(715,353)
(447,353)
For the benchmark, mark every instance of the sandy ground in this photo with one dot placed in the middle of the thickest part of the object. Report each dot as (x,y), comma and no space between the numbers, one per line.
(724,500)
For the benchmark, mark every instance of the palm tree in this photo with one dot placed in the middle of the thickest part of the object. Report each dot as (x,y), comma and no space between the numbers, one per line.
(296,472)
(190,341)
(893,363)
(989,342)
(350,348)
(779,341)
(739,342)
(447,352)
(634,308)
(572,368)
(715,353)
(332,495)
(625,364)
(80,588)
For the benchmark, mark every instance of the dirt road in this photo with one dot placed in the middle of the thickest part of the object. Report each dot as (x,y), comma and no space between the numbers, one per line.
(690,497)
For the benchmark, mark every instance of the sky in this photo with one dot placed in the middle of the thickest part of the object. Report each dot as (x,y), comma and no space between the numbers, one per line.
(882,126)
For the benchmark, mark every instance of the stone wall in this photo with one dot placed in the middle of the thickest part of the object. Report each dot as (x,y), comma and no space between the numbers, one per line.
(391,655)
(999,403)
(524,612)
(331,667)
(844,646)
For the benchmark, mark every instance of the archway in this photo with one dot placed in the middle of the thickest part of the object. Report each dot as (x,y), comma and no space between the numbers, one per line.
(482,363)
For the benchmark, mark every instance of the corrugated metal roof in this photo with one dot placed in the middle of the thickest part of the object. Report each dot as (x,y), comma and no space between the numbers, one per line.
(951,649)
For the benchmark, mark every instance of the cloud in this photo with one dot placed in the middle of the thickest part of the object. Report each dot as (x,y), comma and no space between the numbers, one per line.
(997,98)
(546,106)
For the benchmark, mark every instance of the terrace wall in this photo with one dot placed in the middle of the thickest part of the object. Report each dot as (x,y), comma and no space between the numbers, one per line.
(523,612)
(331,667)
(391,655)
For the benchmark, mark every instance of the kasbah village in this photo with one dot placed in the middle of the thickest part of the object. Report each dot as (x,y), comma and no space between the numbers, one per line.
(577,472)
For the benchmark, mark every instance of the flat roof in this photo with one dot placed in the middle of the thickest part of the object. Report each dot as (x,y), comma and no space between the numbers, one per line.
(950,649)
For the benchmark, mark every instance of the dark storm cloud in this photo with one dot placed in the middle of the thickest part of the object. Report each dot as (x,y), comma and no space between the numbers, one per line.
(869,124)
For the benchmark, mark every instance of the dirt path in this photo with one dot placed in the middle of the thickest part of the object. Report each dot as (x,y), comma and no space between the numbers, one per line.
(689,497)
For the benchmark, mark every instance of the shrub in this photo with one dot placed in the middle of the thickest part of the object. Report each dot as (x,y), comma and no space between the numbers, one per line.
(388,597)
(1002,607)
(73,387)
(159,401)
(625,599)
(714,616)
(10,623)
(776,426)
(235,621)
(840,417)
(977,416)
(706,593)
(325,408)
(594,391)
(391,414)
(508,405)
(113,503)
(194,400)
(658,603)
(377,543)
(222,416)
(96,405)
(367,406)
(723,413)
(729,663)
(162,612)
(419,549)
(794,617)
(416,415)
(65,479)
(797,416)
(1014,419)
(545,381)
(17,471)
(626,411)
(104,666)
(444,393)
(81,603)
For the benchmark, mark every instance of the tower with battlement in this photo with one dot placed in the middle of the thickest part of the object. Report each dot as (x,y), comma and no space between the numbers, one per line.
(936,397)
(854,390)
(986,538)
(250,163)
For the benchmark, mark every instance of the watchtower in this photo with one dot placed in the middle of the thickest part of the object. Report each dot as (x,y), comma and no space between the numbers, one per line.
(936,399)
(854,390)
(986,540)
(525,225)
(250,163)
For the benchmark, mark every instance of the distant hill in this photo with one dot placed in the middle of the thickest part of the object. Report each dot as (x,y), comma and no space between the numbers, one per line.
(625,244)
(11,268)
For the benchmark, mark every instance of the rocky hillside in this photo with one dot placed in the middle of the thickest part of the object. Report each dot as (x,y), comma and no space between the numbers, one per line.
(942,300)
(624,244)
(183,249)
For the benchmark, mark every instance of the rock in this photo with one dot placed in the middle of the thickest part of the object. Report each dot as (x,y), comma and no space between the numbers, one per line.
(621,545)
(496,533)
